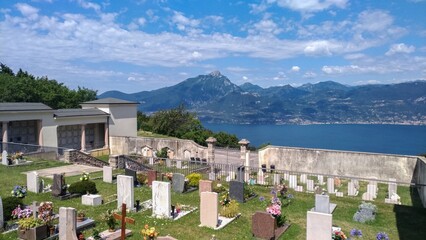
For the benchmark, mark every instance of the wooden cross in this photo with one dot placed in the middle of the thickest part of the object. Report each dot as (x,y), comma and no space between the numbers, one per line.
(123,220)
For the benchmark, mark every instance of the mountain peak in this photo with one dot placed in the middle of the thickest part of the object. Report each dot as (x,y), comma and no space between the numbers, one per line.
(215,74)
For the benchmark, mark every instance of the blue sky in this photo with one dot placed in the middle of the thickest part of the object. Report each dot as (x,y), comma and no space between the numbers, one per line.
(139,45)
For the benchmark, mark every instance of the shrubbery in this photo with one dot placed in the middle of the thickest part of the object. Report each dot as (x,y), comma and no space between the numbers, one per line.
(193,179)
(9,204)
(366,213)
(83,187)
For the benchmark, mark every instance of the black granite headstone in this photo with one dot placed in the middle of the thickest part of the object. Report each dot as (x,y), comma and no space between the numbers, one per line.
(178,182)
(240,173)
(236,191)
(131,173)
(58,188)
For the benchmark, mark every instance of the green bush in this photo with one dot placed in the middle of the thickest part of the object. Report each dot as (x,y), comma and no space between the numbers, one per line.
(194,179)
(142,178)
(230,210)
(83,187)
(10,203)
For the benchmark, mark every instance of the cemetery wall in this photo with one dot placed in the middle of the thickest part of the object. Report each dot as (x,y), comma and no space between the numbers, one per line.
(181,148)
(51,155)
(344,163)
(421,178)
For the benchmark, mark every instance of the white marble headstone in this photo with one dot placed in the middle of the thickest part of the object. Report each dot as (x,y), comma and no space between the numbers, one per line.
(107,174)
(303,178)
(67,223)
(286,176)
(310,185)
(4,157)
(292,182)
(161,199)
(322,203)
(33,182)
(330,185)
(276,179)
(260,177)
(352,191)
(178,164)
(320,179)
(392,187)
(372,189)
(125,191)
(318,226)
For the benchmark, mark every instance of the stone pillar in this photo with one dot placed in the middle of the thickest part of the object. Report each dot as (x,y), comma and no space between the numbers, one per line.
(83,137)
(106,145)
(243,147)
(210,149)
(113,161)
(67,223)
(96,140)
(5,136)
(40,132)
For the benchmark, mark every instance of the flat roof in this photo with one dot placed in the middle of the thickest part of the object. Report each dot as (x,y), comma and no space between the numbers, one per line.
(62,113)
(109,101)
(22,106)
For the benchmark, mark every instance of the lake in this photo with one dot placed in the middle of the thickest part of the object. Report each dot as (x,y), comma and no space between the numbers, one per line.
(393,139)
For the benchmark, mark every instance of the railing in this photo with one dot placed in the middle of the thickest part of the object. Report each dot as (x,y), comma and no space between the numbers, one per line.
(33,151)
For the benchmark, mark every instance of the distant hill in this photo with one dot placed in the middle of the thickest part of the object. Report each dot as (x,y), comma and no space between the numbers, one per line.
(216,99)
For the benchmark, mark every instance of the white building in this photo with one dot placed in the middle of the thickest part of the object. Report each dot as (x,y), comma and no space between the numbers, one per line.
(83,129)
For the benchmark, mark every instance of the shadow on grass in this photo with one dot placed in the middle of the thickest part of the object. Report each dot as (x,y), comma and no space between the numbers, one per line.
(411,220)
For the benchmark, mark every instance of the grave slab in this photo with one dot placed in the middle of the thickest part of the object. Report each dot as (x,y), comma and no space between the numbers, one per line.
(91,199)
(125,192)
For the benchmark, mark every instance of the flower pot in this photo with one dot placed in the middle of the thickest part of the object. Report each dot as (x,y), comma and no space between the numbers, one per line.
(37,233)
(80,219)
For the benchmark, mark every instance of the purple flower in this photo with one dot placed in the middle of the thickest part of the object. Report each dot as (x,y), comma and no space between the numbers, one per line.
(290,196)
(356,233)
(261,198)
(382,236)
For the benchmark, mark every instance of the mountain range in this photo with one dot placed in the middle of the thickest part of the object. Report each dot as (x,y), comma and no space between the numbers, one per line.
(216,99)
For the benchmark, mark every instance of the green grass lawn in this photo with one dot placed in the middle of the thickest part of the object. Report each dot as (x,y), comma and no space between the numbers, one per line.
(142,133)
(399,222)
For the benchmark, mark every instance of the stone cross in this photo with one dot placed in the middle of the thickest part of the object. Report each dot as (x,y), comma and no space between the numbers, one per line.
(67,223)
(123,220)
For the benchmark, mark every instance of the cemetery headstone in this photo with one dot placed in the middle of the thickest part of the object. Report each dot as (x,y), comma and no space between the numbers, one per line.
(91,199)
(161,199)
(33,182)
(310,185)
(125,191)
(321,179)
(367,196)
(372,189)
(263,225)
(58,188)
(236,191)
(260,177)
(168,163)
(286,176)
(178,164)
(67,223)
(212,176)
(303,178)
(352,191)
(339,194)
(205,186)
(276,179)
(1,215)
(292,181)
(178,182)
(240,173)
(330,185)
(4,158)
(209,209)
(152,176)
(392,187)
(107,174)
(298,188)
(133,174)
(318,226)
(322,203)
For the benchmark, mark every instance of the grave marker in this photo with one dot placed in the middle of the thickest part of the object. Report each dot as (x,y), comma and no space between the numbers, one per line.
(58,188)
(330,185)
(392,187)
(236,191)
(152,176)
(263,225)
(161,199)
(310,185)
(123,220)
(107,174)
(67,223)
(131,173)
(205,186)
(322,203)
(352,191)
(178,182)
(303,178)
(91,199)
(125,191)
(318,226)
(209,209)
(260,177)
(240,173)
(178,164)
(4,158)
(33,182)
(321,179)
(292,181)
(277,179)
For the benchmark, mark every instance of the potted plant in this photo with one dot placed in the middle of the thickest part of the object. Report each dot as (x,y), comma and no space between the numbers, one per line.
(19,191)
(32,229)
(108,218)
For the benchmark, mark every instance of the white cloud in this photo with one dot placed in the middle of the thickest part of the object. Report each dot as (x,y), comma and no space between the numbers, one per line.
(245,78)
(354,56)
(131,79)
(27,10)
(89,5)
(400,48)
(321,47)
(237,69)
(267,26)
(182,22)
(342,69)
(295,68)
(311,5)
(309,74)
(367,82)
(373,21)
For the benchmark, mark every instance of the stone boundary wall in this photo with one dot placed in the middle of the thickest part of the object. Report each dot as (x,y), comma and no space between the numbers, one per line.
(420,179)
(343,163)
(77,157)
(182,149)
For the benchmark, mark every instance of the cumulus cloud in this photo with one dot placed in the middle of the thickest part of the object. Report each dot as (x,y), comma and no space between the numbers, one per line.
(267,26)
(311,5)
(27,10)
(89,5)
(400,48)
(309,74)
(245,78)
(182,22)
(295,68)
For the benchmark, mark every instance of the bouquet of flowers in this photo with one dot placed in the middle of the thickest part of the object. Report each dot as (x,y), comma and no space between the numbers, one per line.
(149,232)
(19,191)
(338,235)
(19,213)
(45,212)
(84,177)
(382,236)
(275,209)
(225,200)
